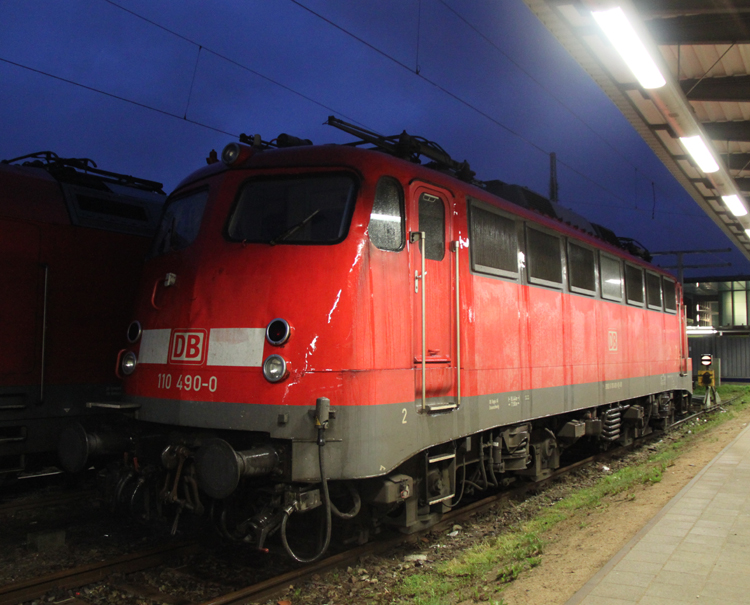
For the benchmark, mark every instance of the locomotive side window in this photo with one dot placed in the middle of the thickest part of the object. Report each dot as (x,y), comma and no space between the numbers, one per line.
(545,259)
(581,269)
(670,296)
(386,227)
(634,284)
(432,223)
(310,209)
(611,277)
(132,212)
(653,290)
(114,208)
(494,242)
(180,223)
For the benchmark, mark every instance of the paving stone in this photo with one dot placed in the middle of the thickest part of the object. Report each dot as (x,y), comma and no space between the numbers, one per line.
(696,550)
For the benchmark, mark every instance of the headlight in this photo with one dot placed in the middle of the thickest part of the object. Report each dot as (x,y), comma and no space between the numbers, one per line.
(134,331)
(128,363)
(230,154)
(234,153)
(278,331)
(274,368)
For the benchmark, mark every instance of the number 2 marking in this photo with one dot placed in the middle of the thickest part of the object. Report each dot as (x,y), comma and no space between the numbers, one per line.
(403,420)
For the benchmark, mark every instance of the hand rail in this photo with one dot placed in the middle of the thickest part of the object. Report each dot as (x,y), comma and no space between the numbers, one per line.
(456,247)
(45,266)
(413,236)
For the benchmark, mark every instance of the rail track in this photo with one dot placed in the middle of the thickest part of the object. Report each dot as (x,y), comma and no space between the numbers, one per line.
(36,588)
(10,508)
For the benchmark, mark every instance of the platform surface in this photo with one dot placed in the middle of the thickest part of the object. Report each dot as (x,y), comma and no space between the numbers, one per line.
(695,550)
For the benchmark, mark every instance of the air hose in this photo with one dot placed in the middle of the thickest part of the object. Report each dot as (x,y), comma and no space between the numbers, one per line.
(356,506)
(322,408)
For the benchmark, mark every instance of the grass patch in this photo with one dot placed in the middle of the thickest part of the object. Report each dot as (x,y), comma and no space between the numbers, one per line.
(486,567)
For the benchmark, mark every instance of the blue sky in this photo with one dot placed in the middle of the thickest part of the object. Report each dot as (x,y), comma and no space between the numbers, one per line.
(494,88)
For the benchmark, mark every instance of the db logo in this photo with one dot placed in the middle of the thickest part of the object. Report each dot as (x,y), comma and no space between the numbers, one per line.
(612,340)
(187,346)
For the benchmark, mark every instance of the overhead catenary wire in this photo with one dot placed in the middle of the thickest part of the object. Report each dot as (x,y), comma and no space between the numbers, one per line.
(536,81)
(118,97)
(192,82)
(417,71)
(435,84)
(184,118)
(472,107)
(233,62)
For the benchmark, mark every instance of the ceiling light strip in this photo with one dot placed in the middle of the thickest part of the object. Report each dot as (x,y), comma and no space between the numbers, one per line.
(628,44)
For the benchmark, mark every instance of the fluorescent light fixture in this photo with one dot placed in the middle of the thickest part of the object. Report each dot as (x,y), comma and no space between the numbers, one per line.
(620,32)
(700,152)
(735,205)
(698,330)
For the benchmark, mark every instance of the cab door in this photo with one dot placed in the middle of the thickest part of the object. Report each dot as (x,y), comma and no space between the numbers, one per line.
(430,229)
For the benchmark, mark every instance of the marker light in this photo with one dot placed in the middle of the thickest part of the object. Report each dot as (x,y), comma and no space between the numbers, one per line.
(128,363)
(274,368)
(700,152)
(624,38)
(735,205)
(134,331)
(278,331)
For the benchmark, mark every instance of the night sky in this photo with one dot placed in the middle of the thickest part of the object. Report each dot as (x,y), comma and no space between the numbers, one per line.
(483,79)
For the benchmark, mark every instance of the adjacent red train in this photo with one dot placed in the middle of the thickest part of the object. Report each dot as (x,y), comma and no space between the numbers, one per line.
(333,316)
(73,239)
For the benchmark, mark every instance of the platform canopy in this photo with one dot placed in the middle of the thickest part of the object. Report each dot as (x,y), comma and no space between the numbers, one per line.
(702,50)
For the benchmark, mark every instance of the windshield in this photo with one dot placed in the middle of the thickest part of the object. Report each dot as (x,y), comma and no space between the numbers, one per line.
(309,209)
(180,223)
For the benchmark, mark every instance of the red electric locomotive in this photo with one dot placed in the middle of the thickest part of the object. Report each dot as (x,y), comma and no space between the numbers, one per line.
(316,315)
(73,239)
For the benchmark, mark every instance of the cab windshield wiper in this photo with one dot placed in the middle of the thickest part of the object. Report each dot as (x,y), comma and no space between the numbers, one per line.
(292,230)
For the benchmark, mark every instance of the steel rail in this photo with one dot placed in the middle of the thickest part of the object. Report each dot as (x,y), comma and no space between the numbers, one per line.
(713,408)
(10,508)
(27,590)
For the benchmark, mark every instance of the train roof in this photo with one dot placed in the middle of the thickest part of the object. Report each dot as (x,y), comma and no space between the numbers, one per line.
(412,149)
(45,187)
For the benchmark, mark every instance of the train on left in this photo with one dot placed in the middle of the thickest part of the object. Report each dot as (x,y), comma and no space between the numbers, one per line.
(73,238)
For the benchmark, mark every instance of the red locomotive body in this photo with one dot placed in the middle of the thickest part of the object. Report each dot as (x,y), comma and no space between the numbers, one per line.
(453,332)
(73,240)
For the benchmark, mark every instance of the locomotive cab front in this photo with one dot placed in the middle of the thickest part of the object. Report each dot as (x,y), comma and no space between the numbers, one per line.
(257,302)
